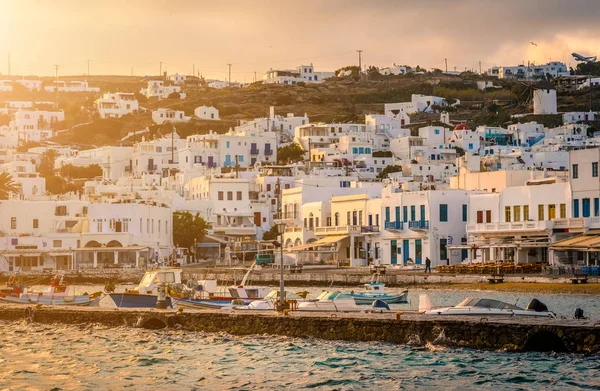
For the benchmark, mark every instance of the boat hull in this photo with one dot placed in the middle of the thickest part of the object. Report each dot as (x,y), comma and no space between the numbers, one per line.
(203,304)
(127,300)
(368,299)
(82,301)
(489,312)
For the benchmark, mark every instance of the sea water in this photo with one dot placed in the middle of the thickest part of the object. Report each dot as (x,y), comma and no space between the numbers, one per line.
(57,357)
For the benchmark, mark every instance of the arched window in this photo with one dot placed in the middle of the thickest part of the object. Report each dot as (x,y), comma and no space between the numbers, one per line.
(337,219)
(310,221)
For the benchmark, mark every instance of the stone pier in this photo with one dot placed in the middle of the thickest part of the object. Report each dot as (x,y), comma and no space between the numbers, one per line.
(559,335)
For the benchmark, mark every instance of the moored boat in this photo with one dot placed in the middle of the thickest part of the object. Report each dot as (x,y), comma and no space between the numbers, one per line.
(57,293)
(491,307)
(145,295)
(375,291)
(331,302)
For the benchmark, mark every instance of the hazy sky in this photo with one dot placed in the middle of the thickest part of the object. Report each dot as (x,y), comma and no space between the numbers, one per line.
(255,35)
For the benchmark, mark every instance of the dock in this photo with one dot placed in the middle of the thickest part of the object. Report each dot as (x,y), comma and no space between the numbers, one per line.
(505,333)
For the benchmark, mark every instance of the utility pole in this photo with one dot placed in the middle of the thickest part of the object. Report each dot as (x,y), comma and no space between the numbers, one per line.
(255,76)
(229,85)
(8,63)
(88,64)
(160,69)
(56,71)
(193,69)
(446,60)
(237,167)
(360,60)
(480,67)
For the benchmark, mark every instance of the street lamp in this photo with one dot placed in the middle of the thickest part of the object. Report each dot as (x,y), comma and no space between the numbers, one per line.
(281,230)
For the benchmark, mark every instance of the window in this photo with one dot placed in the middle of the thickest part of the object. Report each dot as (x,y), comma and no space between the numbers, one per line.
(348,218)
(479,217)
(437,131)
(595,169)
(563,211)
(397,213)
(220,196)
(337,219)
(36,223)
(517,213)
(488,216)
(387,214)
(575,171)
(540,212)
(57,243)
(443,249)
(99,226)
(575,208)
(585,207)
(464,212)
(596,206)
(444,213)
(551,211)
(405,213)
(239,196)
(229,196)
(525,212)
(13,223)
(147,226)
(227,144)
(507,214)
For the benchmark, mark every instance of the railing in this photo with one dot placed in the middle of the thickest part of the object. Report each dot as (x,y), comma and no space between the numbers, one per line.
(338,230)
(570,223)
(514,226)
(369,229)
(394,225)
(418,224)
(532,142)
(293,229)
(254,151)
(268,152)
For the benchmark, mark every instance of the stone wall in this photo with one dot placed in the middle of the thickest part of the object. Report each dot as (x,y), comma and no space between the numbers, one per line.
(506,334)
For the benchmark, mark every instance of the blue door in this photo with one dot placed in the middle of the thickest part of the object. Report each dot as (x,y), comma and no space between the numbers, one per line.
(394,249)
(387,214)
(227,161)
(585,206)
(422,213)
(405,250)
(418,251)
(575,208)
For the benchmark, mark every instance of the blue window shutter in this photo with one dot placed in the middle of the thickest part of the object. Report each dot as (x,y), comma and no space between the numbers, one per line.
(575,208)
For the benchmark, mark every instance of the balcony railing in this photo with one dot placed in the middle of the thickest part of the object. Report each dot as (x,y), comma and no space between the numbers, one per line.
(268,152)
(369,229)
(338,230)
(419,224)
(394,225)
(520,226)
(254,151)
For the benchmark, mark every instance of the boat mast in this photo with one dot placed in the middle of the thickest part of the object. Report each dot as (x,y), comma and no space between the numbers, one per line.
(248,274)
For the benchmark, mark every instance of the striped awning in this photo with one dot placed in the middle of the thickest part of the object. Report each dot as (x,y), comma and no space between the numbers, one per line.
(578,243)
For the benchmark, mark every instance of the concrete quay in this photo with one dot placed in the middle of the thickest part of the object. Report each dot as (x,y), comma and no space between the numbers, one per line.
(510,334)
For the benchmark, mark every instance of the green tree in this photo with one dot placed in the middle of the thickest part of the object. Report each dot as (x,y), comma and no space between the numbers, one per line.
(388,170)
(186,228)
(290,154)
(47,163)
(85,172)
(7,185)
(271,234)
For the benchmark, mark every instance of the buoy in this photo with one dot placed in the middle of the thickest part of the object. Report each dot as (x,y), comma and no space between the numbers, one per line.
(286,312)
(398,315)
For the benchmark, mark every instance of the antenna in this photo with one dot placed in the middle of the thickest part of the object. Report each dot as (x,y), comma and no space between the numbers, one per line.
(360,60)
(56,66)
(229,85)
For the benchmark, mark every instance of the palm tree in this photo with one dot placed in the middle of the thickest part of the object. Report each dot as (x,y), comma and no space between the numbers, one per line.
(7,185)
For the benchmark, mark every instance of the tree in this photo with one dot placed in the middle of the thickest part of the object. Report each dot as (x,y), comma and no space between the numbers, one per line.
(187,228)
(47,163)
(7,185)
(388,170)
(271,234)
(290,154)
(84,172)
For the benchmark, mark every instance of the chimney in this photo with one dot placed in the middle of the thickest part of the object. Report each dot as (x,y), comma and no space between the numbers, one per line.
(272,112)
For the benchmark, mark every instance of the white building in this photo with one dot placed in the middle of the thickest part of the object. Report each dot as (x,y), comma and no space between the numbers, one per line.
(158,89)
(116,105)
(303,73)
(393,70)
(578,116)
(418,103)
(544,101)
(162,115)
(177,78)
(205,112)
(532,71)
(114,161)
(6,85)
(31,85)
(70,86)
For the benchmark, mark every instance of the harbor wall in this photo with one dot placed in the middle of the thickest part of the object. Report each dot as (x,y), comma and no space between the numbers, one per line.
(558,335)
(324,278)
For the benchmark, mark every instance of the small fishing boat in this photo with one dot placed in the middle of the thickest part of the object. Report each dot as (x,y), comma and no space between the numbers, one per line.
(145,295)
(375,291)
(331,302)
(490,307)
(268,303)
(57,294)
(208,304)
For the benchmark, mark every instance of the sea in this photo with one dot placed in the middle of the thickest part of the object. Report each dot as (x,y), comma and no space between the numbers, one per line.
(91,357)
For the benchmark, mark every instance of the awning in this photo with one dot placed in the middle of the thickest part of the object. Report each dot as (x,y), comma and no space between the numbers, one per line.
(578,243)
(326,241)
(104,249)
(21,253)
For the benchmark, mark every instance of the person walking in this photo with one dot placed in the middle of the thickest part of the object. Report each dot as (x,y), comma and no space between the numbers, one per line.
(427,265)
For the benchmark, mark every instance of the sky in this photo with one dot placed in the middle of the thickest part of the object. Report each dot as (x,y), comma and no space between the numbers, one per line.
(125,36)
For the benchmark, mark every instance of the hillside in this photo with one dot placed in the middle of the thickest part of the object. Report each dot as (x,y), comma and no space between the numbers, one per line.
(339,100)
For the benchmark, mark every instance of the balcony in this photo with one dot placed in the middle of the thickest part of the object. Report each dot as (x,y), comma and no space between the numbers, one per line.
(369,229)
(254,151)
(268,152)
(394,225)
(127,169)
(152,167)
(575,224)
(519,226)
(338,230)
(419,225)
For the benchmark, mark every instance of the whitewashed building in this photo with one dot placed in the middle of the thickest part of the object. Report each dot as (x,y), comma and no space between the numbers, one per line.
(158,89)
(206,112)
(162,115)
(303,73)
(70,86)
(116,105)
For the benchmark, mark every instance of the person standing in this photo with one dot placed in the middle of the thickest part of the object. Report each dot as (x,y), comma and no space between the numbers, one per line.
(427,265)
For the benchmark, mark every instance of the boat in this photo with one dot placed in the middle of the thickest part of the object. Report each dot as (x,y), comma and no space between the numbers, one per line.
(145,295)
(57,293)
(268,303)
(331,302)
(491,307)
(375,291)
(207,304)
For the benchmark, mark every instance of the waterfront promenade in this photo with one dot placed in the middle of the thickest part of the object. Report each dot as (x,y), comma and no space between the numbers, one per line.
(560,335)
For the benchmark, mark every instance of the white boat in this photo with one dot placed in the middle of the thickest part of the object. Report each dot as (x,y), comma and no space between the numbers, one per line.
(376,291)
(145,294)
(331,302)
(56,294)
(491,307)
(268,303)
